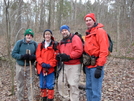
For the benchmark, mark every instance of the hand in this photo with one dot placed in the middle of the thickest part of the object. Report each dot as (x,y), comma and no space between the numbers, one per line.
(44,65)
(25,57)
(65,57)
(58,57)
(32,57)
(97,73)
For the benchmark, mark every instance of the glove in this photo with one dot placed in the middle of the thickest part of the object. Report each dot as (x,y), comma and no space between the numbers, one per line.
(65,57)
(32,57)
(58,57)
(25,57)
(44,65)
(97,73)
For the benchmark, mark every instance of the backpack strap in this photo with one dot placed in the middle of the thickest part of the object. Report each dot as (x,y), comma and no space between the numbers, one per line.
(55,45)
(67,40)
(21,41)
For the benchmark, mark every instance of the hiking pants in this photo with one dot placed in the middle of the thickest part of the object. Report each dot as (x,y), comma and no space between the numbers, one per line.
(47,81)
(68,85)
(22,84)
(93,85)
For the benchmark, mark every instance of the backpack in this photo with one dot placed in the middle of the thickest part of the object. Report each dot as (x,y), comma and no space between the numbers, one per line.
(80,36)
(110,48)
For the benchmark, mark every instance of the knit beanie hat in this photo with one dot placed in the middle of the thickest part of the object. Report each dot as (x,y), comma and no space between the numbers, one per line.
(29,31)
(64,27)
(91,15)
(50,32)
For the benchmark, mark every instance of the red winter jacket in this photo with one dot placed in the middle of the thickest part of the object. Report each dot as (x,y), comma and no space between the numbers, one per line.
(46,55)
(96,43)
(73,48)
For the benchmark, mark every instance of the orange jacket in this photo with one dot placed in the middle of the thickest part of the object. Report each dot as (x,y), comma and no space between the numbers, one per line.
(74,48)
(46,55)
(96,43)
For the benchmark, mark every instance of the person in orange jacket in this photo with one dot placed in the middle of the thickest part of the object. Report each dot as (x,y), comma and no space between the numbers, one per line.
(71,50)
(46,63)
(96,46)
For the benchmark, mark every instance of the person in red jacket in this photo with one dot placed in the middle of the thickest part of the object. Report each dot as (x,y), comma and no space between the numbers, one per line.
(46,62)
(70,53)
(96,46)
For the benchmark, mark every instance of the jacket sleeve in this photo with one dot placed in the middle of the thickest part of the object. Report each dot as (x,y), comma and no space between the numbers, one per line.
(103,43)
(77,48)
(15,52)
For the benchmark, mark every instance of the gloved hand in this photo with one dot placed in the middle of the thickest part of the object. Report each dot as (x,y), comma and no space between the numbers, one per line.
(32,57)
(58,57)
(44,65)
(25,57)
(97,73)
(65,57)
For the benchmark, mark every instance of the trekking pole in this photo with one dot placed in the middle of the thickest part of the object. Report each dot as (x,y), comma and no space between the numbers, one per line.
(25,73)
(31,76)
(62,65)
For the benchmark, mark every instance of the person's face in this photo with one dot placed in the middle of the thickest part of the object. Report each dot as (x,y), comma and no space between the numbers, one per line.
(65,33)
(89,22)
(47,36)
(29,37)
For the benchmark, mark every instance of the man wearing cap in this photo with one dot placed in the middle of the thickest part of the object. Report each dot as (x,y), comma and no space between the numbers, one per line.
(96,45)
(46,62)
(22,63)
(70,53)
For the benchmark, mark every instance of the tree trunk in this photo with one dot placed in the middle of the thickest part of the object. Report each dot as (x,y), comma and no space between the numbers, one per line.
(18,24)
(118,30)
(8,44)
(41,25)
(49,15)
(60,13)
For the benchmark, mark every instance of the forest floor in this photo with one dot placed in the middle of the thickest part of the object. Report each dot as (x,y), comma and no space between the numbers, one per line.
(118,84)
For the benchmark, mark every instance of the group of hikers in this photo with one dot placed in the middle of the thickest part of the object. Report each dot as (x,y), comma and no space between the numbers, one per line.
(67,54)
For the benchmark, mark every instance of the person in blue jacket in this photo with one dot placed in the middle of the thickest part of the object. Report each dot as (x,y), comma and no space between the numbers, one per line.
(22,63)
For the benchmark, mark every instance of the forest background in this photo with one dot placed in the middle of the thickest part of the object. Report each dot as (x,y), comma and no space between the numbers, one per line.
(117,16)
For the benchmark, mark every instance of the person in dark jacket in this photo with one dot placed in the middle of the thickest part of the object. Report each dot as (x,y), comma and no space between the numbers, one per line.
(96,46)
(46,63)
(23,52)
(71,50)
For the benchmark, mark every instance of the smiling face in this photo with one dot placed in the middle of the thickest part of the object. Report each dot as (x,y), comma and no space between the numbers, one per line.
(89,22)
(29,37)
(47,36)
(65,33)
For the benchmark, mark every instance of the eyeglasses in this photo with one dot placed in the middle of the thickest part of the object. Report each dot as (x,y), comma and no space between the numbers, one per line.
(29,35)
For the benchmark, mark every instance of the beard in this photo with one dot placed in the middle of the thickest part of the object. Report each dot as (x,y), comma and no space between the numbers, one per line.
(66,35)
(28,40)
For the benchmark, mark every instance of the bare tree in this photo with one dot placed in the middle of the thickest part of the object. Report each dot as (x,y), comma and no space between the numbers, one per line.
(42,17)
(50,13)
(18,23)
(60,10)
